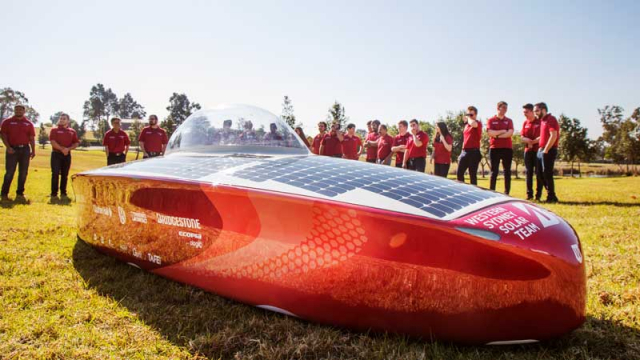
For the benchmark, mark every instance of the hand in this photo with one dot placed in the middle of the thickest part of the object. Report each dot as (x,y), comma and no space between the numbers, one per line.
(404,165)
(145,154)
(546,151)
(10,150)
(65,151)
(414,131)
(32,155)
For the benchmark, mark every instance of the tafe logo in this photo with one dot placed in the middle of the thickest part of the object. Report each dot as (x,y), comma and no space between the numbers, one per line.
(122,215)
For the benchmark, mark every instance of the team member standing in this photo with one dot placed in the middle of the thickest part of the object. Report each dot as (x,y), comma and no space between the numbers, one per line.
(442,146)
(385,141)
(63,139)
(351,144)
(400,142)
(530,136)
(331,145)
(548,150)
(416,154)
(371,142)
(18,134)
(322,128)
(153,139)
(500,131)
(470,156)
(116,143)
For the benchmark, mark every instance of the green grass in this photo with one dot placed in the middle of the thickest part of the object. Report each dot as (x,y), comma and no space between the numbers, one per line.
(59,298)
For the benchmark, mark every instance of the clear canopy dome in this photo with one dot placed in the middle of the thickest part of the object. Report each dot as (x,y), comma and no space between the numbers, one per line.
(235,129)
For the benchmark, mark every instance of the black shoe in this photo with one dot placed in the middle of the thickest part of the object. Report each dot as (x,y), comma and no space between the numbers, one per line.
(529,198)
(53,195)
(21,199)
(552,200)
(4,198)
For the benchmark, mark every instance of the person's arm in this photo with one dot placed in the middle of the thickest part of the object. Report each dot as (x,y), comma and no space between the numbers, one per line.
(164,148)
(340,136)
(495,133)
(553,135)
(32,141)
(473,123)
(56,146)
(526,140)
(372,143)
(321,150)
(506,134)
(387,160)
(446,144)
(5,141)
(126,149)
(416,140)
(141,144)
(127,142)
(360,148)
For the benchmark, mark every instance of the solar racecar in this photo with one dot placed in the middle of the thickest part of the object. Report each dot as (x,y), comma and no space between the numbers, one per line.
(241,208)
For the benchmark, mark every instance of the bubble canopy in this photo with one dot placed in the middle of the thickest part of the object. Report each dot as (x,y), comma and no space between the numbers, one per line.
(241,129)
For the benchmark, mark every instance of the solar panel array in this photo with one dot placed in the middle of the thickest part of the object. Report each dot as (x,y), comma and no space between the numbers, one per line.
(187,167)
(332,177)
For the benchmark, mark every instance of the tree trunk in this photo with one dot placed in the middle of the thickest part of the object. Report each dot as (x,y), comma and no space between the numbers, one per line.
(517,177)
(579,172)
(572,168)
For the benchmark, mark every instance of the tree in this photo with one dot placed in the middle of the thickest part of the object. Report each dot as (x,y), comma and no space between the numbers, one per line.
(611,118)
(9,98)
(55,117)
(574,144)
(518,152)
(287,112)
(336,114)
(168,125)
(81,130)
(128,108)
(485,160)
(180,108)
(101,128)
(101,105)
(42,136)
(135,130)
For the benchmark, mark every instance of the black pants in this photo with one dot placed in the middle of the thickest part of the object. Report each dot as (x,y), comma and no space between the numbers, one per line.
(545,170)
(441,169)
(19,159)
(417,164)
(497,156)
(371,161)
(116,159)
(531,163)
(60,166)
(469,159)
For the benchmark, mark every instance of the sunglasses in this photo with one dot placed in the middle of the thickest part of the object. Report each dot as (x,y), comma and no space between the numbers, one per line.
(470,114)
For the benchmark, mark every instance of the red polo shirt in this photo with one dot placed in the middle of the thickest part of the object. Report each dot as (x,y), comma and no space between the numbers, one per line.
(372,153)
(471,136)
(332,145)
(547,123)
(115,142)
(17,131)
(415,151)
(153,139)
(531,130)
(316,143)
(384,146)
(350,146)
(64,136)
(440,153)
(400,140)
(495,123)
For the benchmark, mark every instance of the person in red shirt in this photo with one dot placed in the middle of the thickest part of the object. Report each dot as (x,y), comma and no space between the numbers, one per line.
(63,139)
(442,146)
(385,142)
(548,148)
(500,131)
(530,136)
(322,128)
(153,139)
(470,156)
(371,141)
(116,143)
(400,142)
(351,144)
(331,144)
(416,154)
(18,134)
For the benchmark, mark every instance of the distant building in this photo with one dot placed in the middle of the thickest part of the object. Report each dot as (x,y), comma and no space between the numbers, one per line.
(125,124)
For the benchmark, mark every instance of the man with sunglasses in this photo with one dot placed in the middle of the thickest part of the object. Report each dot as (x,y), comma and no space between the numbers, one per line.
(500,131)
(416,154)
(470,156)
(548,150)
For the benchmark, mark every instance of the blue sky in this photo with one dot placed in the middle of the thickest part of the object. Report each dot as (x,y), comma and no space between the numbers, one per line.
(385,60)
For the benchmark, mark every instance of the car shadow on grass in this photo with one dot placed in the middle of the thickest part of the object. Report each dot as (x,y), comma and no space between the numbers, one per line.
(215,327)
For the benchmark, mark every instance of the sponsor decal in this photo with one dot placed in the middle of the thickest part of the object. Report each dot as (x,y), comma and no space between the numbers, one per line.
(154,259)
(138,217)
(122,215)
(178,221)
(102,210)
(190,235)
(546,218)
(508,222)
(196,244)
(137,253)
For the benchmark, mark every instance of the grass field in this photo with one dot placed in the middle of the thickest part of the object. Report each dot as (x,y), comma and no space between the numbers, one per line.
(60,299)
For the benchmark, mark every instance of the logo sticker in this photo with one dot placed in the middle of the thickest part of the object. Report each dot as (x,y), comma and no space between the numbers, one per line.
(577,253)
(122,215)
